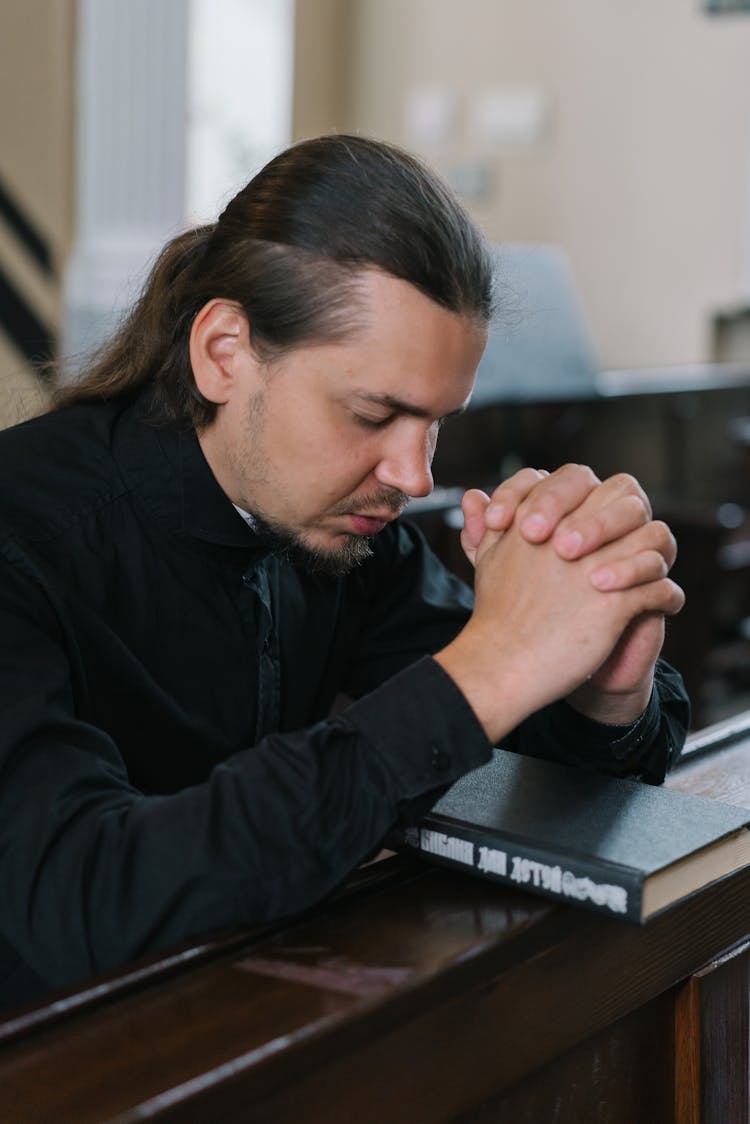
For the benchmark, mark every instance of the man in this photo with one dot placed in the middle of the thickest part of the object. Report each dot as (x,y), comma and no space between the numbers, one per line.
(201,553)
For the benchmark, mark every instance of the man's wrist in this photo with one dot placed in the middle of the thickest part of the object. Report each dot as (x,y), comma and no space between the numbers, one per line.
(611,708)
(497,693)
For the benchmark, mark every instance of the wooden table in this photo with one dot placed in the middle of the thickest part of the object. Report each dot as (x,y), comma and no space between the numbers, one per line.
(420,995)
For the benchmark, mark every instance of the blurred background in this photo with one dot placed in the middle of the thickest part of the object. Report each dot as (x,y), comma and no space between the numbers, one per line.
(602,145)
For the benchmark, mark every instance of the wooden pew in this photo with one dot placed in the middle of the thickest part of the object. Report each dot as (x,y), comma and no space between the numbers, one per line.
(419,995)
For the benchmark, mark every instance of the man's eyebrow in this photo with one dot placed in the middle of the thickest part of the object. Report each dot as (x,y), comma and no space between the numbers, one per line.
(400,407)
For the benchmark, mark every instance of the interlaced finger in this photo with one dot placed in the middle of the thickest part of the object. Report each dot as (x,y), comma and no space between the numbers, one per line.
(608,513)
(508,496)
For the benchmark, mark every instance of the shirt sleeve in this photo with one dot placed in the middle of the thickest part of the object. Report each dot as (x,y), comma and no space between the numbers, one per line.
(647,748)
(94,872)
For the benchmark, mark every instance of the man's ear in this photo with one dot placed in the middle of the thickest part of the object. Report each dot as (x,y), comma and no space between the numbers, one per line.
(219,349)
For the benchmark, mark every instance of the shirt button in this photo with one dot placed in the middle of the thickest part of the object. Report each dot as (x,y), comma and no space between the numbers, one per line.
(440,761)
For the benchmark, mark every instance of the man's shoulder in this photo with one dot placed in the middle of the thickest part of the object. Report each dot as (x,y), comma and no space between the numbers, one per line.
(90,421)
(55,465)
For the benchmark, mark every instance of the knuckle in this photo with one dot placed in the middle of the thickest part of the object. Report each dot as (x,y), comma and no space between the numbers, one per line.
(595,526)
(545,499)
(637,504)
(677,596)
(530,477)
(658,563)
(627,483)
(520,483)
(581,472)
(663,537)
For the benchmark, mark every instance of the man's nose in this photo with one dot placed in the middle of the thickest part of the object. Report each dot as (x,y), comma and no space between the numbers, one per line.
(407,468)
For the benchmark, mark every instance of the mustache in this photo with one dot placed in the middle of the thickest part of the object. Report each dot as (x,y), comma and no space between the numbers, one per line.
(391,500)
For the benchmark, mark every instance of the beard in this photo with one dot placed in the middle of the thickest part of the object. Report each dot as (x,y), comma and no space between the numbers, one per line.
(291,545)
(289,542)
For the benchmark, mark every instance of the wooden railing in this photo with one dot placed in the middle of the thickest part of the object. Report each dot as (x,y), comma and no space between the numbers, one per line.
(420,995)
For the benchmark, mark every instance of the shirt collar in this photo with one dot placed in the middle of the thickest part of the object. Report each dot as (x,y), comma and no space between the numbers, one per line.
(168,469)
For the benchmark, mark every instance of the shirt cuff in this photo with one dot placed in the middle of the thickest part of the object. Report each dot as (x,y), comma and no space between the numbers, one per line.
(647,748)
(621,741)
(423,728)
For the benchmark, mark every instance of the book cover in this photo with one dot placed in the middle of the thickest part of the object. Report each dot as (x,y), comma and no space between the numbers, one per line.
(614,845)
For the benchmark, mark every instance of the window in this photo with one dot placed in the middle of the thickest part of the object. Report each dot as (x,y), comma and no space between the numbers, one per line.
(240,73)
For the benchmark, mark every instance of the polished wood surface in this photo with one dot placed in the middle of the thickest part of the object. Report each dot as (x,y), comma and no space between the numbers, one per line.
(419,995)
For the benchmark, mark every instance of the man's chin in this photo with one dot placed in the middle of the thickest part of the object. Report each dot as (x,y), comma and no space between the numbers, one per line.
(336,561)
(332,558)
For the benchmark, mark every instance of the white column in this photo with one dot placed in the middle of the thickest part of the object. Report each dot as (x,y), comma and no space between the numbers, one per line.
(130,156)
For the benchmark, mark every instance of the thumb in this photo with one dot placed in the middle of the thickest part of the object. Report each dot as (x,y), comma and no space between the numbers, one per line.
(473,505)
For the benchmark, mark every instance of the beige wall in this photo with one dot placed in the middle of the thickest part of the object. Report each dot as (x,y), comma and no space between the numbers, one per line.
(36,79)
(36,113)
(322,48)
(643,175)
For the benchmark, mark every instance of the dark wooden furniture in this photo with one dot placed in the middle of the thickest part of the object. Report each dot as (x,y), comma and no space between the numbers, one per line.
(682,432)
(419,995)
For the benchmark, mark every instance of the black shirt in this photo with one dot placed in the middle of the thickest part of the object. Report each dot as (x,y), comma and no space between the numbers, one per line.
(168,760)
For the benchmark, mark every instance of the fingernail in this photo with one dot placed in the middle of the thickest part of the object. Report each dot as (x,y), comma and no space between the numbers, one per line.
(534,526)
(603,579)
(569,544)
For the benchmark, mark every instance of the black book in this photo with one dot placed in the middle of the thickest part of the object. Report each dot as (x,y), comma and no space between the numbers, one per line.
(615,845)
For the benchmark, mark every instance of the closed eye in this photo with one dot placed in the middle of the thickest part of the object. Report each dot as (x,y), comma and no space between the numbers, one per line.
(373,423)
(380,423)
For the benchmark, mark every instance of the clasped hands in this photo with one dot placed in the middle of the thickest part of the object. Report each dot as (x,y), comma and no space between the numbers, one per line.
(572,588)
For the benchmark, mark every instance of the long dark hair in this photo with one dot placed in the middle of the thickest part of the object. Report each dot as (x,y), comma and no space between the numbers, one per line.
(289,248)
